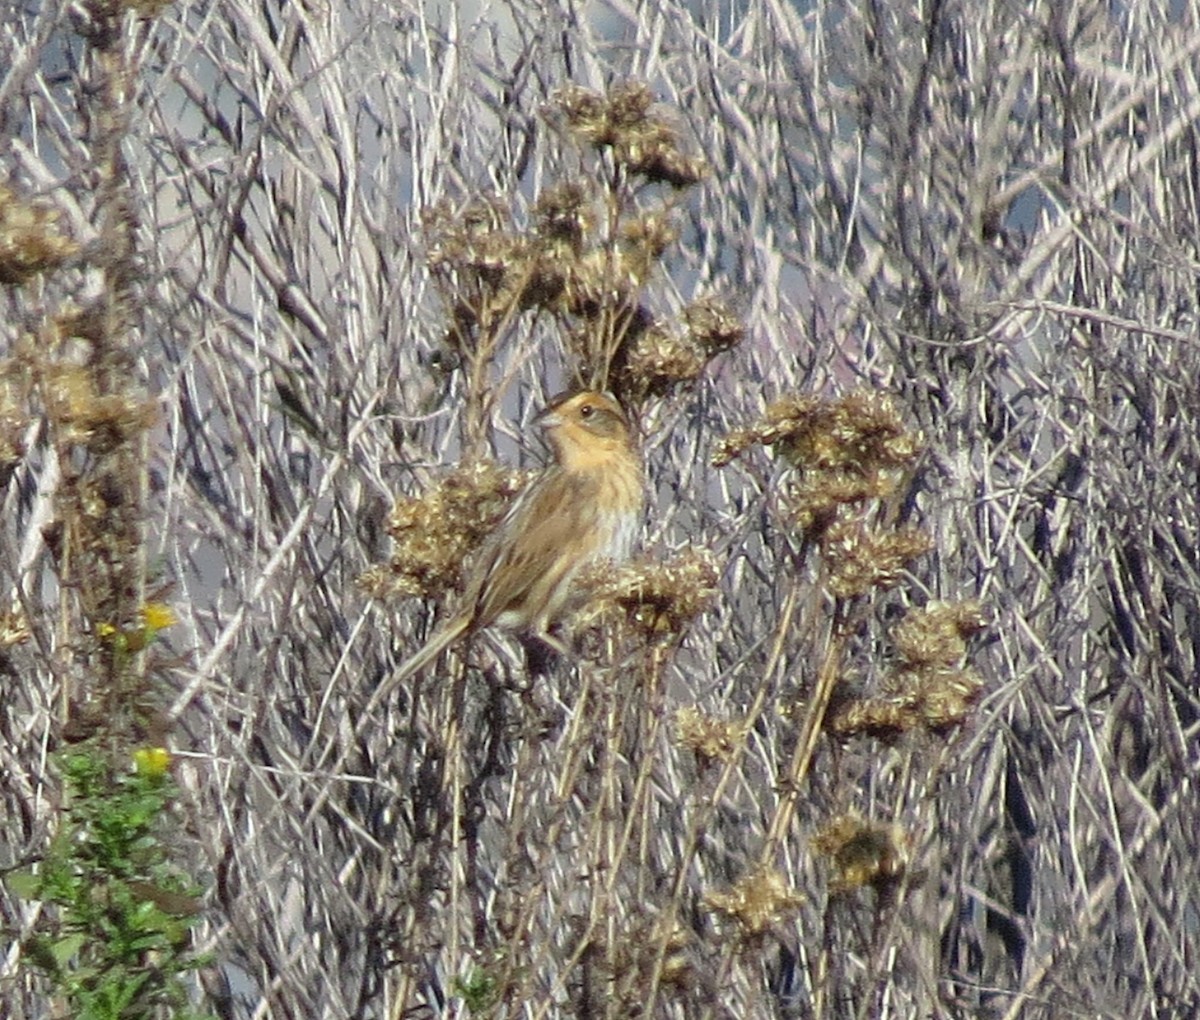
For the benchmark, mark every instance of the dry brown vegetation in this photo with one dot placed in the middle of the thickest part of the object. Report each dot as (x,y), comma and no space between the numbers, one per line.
(897,717)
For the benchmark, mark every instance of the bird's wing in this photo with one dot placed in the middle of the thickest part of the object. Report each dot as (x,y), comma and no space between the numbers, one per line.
(534,552)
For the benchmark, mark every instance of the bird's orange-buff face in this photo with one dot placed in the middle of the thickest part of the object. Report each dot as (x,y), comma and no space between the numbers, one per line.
(592,443)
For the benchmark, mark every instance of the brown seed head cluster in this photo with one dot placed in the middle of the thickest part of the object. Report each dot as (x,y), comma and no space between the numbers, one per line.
(565,213)
(858,558)
(863,853)
(931,689)
(757,902)
(660,357)
(489,270)
(847,454)
(14,626)
(53,367)
(936,634)
(712,327)
(589,249)
(656,600)
(710,740)
(30,242)
(860,431)
(480,262)
(14,418)
(642,240)
(646,237)
(642,141)
(677,944)
(434,533)
(848,451)
(84,417)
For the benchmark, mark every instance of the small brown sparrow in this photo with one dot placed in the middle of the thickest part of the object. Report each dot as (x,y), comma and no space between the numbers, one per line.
(583,509)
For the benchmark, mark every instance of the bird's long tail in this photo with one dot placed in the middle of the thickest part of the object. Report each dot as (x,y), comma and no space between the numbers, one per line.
(441,639)
(439,642)
(422,658)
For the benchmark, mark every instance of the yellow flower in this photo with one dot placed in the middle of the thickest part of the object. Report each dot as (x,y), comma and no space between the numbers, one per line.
(156,616)
(152,761)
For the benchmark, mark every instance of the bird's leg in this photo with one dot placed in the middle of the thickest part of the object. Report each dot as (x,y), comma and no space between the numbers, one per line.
(542,652)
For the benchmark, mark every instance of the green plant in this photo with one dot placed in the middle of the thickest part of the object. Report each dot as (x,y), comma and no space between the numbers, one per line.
(116,936)
(111,929)
(477,988)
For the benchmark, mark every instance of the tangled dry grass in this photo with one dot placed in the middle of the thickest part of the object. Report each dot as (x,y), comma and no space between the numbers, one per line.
(897,717)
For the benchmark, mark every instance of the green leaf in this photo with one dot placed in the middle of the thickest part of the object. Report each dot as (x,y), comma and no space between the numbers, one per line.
(24,883)
(67,947)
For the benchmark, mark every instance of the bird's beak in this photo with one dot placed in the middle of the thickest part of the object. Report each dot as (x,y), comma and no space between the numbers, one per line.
(548,418)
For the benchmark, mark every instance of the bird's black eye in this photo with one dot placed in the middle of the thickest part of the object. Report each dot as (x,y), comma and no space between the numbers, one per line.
(586,411)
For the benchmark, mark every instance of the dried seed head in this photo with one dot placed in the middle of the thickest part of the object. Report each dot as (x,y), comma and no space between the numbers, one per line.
(712,326)
(885,719)
(649,235)
(656,600)
(584,112)
(945,696)
(936,635)
(30,242)
(710,740)
(597,284)
(814,502)
(486,260)
(858,559)
(677,941)
(436,532)
(641,141)
(14,416)
(654,151)
(862,432)
(480,263)
(863,853)
(629,104)
(565,213)
(619,962)
(14,625)
(641,242)
(931,698)
(660,358)
(657,361)
(757,902)
(101,422)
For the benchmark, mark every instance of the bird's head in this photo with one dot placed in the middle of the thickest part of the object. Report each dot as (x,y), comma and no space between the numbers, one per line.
(585,429)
